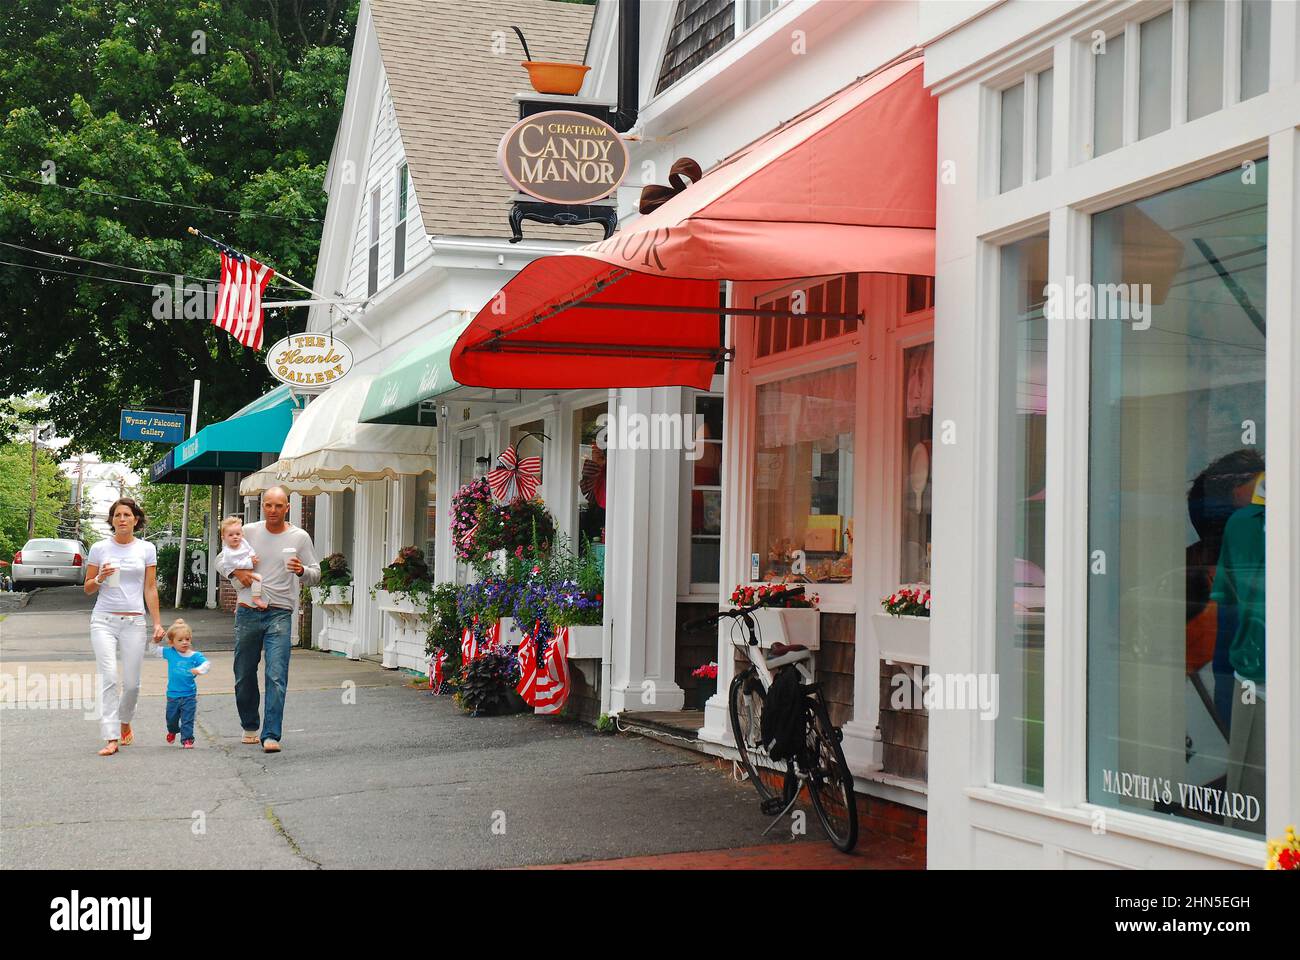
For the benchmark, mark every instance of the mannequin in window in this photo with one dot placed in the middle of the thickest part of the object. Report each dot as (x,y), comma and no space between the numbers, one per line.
(1223,487)
(1239,590)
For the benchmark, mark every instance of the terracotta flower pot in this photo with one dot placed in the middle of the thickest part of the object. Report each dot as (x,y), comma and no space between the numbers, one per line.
(560,78)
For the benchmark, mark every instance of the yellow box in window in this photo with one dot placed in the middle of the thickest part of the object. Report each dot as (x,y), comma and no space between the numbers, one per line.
(822,532)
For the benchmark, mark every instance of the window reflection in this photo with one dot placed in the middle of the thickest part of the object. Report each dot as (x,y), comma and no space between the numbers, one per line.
(1176,505)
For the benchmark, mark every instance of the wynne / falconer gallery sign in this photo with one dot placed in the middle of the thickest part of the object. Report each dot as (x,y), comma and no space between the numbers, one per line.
(563,157)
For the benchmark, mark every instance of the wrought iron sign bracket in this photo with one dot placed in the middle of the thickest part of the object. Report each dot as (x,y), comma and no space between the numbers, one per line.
(560,215)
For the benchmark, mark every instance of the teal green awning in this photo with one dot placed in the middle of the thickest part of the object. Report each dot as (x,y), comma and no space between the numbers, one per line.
(237,444)
(400,394)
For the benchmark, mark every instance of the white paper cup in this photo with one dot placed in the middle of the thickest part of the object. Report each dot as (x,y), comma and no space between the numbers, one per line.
(289,554)
(115,578)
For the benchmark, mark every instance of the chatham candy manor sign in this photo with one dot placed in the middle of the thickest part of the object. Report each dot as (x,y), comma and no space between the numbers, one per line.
(563,157)
(309,361)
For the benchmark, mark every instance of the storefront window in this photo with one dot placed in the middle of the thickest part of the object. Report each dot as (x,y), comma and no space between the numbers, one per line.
(424,514)
(465,461)
(918,421)
(706,492)
(803,477)
(1176,504)
(591,477)
(1021,545)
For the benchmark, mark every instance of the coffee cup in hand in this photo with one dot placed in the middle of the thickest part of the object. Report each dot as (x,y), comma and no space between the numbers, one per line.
(290,553)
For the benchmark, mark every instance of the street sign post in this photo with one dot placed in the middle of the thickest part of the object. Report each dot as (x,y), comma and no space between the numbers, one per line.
(152,426)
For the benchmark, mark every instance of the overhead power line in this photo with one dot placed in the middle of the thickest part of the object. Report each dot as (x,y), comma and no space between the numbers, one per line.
(84,276)
(162,203)
(105,263)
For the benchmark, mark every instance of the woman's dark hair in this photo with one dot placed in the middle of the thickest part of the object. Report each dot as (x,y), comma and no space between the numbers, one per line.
(140,519)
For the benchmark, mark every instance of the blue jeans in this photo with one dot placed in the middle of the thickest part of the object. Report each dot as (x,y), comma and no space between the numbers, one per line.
(180,715)
(255,631)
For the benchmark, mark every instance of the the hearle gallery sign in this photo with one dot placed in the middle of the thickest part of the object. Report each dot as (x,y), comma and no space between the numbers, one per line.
(563,157)
(309,361)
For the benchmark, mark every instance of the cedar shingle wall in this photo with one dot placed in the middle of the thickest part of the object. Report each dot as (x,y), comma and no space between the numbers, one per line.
(835,664)
(700,29)
(904,729)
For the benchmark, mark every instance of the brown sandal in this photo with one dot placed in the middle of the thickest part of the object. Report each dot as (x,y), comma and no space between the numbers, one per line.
(109,749)
(128,736)
(250,737)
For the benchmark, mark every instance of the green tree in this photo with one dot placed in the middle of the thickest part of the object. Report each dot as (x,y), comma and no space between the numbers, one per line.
(231,105)
(164,505)
(52,490)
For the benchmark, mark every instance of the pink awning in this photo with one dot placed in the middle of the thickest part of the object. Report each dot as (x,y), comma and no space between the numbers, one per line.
(846,187)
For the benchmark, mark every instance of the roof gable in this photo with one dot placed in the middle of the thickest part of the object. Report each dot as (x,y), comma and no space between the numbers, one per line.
(453,70)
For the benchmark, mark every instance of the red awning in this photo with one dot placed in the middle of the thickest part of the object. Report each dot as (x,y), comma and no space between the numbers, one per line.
(846,187)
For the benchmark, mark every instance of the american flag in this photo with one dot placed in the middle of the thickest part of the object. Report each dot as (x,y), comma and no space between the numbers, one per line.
(553,676)
(239,297)
(544,685)
(436,662)
(469,645)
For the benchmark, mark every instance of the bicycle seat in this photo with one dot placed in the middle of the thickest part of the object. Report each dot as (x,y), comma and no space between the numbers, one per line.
(781,649)
(782,653)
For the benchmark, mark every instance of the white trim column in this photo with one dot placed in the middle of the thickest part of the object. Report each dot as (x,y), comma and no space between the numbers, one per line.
(367,625)
(641,569)
(214,543)
(1282,547)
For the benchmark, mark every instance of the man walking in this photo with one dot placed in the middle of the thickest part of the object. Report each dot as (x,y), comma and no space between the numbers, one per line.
(286,560)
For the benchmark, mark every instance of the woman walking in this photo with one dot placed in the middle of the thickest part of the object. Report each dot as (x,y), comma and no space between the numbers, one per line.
(123,572)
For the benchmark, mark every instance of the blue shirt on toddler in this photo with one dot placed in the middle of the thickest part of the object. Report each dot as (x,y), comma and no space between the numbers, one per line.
(180,682)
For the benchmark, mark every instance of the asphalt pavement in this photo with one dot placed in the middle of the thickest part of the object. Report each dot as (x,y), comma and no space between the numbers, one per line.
(374,773)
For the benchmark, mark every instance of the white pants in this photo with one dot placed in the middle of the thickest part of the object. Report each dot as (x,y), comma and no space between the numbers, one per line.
(113,635)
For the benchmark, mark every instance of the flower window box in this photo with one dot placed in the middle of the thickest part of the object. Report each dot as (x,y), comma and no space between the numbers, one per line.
(903,639)
(788,625)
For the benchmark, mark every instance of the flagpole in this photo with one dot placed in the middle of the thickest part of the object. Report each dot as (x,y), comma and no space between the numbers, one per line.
(292,282)
(185,511)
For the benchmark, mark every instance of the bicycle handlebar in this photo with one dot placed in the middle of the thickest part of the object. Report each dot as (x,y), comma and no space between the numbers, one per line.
(691,626)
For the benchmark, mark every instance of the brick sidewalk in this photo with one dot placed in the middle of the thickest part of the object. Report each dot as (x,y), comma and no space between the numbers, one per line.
(872,853)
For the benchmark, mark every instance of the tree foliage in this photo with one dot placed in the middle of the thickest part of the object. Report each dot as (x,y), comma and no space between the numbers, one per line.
(52,491)
(230,104)
(164,505)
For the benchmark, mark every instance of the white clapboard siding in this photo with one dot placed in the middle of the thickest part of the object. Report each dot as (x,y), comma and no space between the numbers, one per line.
(383,159)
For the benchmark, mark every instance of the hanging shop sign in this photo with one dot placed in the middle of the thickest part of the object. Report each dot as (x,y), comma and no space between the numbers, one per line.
(151,426)
(309,361)
(563,157)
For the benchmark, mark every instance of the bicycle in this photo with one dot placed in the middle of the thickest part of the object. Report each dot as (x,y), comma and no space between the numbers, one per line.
(818,763)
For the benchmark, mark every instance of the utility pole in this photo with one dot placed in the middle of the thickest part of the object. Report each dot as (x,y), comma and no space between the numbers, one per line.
(31,507)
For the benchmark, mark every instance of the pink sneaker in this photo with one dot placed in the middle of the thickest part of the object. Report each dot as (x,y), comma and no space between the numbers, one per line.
(171,738)
(187,744)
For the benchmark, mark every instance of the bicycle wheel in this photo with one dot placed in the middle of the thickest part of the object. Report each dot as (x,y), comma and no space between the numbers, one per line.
(745,704)
(830,783)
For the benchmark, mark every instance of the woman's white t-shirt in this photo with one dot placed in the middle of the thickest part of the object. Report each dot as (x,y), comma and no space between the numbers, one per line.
(131,559)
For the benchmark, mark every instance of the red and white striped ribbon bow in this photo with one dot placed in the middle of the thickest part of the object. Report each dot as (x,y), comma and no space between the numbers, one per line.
(239,298)
(515,477)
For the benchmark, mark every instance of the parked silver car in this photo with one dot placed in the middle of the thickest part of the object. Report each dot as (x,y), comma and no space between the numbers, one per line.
(47,562)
